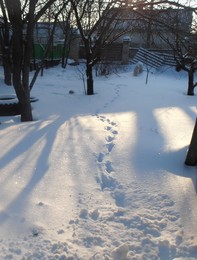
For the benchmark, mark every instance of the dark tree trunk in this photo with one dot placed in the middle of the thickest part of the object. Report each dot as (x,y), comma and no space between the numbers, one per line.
(89,68)
(191,158)
(90,83)
(64,56)
(191,86)
(67,42)
(21,86)
(21,89)
(28,50)
(26,111)
(65,51)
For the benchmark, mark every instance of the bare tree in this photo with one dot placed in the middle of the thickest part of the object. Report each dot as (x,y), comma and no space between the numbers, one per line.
(185,54)
(59,15)
(96,21)
(20,73)
(176,27)
(22,17)
(52,15)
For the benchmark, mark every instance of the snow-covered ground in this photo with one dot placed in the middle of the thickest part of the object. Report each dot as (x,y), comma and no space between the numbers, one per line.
(103,176)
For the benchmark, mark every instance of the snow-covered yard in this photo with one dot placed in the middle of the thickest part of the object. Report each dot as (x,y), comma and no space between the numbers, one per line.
(103,176)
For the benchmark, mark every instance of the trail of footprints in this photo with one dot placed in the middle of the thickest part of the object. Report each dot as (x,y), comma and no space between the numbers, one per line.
(117,94)
(106,170)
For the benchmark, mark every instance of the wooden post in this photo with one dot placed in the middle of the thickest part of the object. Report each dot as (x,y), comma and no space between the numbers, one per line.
(125,50)
(74,48)
(191,158)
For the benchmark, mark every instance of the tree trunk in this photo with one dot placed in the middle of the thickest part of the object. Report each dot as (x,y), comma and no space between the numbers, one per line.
(21,87)
(28,51)
(26,110)
(90,83)
(65,51)
(191,158)
(22,94)
(190,91)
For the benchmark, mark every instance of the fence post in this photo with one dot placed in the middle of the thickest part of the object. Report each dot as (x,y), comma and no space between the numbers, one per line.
(74,47)
(125,50)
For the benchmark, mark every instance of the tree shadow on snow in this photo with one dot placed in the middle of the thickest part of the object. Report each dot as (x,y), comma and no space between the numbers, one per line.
(71,144)
(37,135)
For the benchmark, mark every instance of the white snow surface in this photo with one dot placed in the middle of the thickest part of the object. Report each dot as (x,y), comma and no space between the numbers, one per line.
(100,177)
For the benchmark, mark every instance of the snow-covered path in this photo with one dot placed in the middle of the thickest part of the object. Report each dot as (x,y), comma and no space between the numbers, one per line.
(100,177)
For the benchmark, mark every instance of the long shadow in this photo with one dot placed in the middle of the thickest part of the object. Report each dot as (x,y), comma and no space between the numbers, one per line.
(151,156)
(73,144)
(48,133)
(149,152)
(174,158)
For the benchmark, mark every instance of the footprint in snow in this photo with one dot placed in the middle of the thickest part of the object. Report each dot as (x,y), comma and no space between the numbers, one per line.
(113,123)
(109,138)
(109,167)
(115,132)
(110,147)
(108,128)
(119,197)
(100,157)
(107,181)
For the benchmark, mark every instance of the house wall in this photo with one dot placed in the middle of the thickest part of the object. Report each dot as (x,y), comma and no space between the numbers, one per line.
(43,30)
(144,26)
